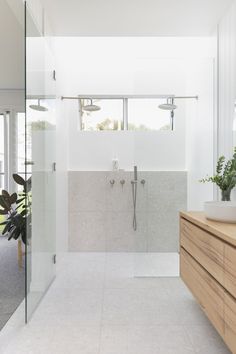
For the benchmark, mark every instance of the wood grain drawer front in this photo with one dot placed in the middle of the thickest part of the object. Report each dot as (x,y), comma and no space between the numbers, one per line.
(204,247)
(230,322)
(230,269)
(207,291)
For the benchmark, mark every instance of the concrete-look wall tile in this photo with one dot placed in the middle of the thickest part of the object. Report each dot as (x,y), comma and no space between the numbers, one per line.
(120,237)
(101,215)
(120,234)
(87,191)
(163,232)
(140,235)
(166,189)
(87,232)
(118,196)
(142,192)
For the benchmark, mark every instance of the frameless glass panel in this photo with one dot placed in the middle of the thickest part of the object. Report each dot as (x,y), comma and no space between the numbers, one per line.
(101,114)
(2,142)
(144,114)
(160,191)
(40,164)
(12,97)
(1,162)
(21,143)
(234,126)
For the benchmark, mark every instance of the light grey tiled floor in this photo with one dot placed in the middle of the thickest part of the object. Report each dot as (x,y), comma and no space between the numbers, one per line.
(96,306)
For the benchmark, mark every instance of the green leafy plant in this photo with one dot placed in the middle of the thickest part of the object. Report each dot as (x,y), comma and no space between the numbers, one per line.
(17,209)
(225,177)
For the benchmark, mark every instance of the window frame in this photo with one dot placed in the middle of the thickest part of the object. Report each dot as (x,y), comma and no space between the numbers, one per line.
(125,100)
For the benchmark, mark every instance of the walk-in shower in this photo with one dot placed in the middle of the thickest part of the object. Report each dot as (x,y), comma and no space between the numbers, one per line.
(134,207)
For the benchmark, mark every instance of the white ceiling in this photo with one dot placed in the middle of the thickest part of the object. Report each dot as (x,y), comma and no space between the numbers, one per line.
(135,17)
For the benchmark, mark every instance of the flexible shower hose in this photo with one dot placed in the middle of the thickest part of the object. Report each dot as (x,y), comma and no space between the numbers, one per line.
(134,194)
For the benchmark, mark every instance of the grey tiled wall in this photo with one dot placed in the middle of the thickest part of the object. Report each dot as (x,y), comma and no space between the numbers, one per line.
(100,216)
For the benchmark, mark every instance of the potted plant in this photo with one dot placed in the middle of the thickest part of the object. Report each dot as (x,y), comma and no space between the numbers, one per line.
(17,209)
(225,177)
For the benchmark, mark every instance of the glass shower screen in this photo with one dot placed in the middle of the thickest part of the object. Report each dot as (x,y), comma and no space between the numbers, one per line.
(40,164)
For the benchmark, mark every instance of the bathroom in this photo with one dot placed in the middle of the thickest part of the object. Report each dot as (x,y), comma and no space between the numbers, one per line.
(123,121)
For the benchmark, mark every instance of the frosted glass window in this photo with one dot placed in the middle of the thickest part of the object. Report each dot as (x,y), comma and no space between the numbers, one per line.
(144,114)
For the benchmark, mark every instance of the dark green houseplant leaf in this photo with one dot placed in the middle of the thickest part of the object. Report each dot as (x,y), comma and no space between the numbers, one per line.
(18,179)
(13,198)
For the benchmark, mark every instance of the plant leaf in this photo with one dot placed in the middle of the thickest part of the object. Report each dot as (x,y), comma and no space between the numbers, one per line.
(20,200)
(5,203)
(24,212)
(6,228)
(5,193)
(18,179)
(13,198)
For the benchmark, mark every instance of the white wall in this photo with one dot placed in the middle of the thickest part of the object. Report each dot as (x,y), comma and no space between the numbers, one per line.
(227,82)
(200,133)
(130,66)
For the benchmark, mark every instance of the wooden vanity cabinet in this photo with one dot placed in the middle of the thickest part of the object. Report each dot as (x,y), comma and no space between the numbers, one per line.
(208,268)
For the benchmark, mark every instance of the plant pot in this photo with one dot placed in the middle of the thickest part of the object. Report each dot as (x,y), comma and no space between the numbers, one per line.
(225,195)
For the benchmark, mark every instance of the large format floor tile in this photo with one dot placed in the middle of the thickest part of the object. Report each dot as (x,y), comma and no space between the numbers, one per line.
(97,306)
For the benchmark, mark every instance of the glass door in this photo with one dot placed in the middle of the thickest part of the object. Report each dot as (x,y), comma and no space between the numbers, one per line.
(39,165)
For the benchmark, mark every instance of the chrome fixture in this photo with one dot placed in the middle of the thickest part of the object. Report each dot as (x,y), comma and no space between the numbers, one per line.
(112,182)
(143,181)
(134,184)
(91,107)
(38,107)
(169,105)
(122,182)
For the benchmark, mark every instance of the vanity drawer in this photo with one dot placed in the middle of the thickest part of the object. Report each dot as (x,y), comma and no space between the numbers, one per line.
(204,247)
(230,269)
(205,288)
(230,322)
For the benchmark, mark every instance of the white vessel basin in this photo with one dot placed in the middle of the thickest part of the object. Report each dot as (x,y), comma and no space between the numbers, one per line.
(221,211)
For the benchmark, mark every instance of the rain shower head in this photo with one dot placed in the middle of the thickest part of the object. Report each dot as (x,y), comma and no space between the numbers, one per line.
(38,107)
(91,107)
(169,106)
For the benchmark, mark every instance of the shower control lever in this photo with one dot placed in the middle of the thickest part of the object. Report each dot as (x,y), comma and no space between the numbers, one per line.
(112,182)
(122,182)
(143,181)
